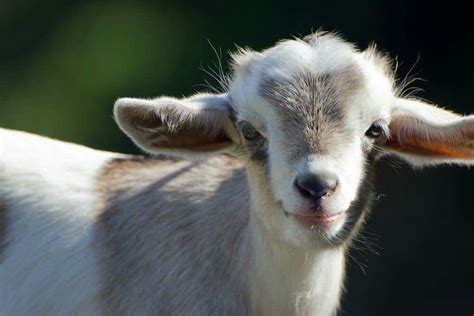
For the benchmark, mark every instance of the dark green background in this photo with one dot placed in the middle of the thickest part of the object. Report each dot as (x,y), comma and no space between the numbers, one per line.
(63,64)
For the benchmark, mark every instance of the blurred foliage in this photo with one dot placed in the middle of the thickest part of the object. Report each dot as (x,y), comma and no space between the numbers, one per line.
(63,64)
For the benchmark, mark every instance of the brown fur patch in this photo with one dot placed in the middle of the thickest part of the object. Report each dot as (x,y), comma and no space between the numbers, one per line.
(314,106)
(311,97)
(123,166)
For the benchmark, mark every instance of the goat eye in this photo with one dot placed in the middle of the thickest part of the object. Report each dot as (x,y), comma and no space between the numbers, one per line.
(249,132)
(376,130)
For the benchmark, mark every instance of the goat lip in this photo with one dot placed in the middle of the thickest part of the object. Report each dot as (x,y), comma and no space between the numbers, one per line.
(322,219)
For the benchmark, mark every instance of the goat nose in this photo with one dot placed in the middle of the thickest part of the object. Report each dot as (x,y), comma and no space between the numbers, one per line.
(316,186)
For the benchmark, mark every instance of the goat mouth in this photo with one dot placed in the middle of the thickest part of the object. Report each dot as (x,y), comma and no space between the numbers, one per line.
(320,219)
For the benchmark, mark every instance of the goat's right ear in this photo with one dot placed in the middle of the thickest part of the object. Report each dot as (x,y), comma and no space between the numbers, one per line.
(196,125)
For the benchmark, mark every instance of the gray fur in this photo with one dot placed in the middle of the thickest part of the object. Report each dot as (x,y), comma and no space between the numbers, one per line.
(192,269)
(3,228)
(314,105)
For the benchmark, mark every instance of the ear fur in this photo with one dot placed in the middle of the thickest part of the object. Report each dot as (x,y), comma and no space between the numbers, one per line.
(423,134)
(199,125)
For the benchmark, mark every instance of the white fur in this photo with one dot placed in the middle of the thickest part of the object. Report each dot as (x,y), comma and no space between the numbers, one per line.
(49,267)
(313,279)
(370,103)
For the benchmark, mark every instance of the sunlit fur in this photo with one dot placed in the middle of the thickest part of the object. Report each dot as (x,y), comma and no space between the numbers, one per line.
(208,230)
(48,266)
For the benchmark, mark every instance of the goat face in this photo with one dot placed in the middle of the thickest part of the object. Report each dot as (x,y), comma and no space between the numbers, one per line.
(309,117)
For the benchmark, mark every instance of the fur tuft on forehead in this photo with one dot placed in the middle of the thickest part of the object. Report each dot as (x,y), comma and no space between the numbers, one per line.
(320,36)
(320,51)
(310,98)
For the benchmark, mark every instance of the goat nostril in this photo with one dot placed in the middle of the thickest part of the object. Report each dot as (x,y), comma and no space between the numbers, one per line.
(314,186)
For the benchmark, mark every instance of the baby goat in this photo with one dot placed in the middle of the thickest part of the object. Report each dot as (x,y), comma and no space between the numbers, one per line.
(257,218)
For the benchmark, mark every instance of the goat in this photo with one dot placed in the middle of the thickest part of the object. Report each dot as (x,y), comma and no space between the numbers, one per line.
(248,207)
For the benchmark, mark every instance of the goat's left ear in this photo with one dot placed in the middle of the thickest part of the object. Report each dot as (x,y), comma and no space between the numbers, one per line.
(188,127)
(423,134)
